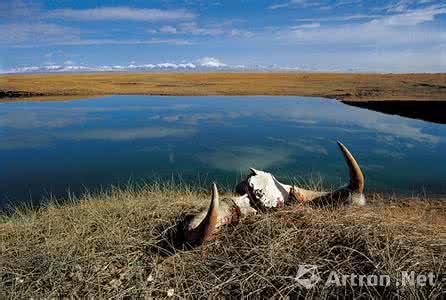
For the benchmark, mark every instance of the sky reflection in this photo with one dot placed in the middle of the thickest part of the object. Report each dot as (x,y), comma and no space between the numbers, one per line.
(50,146)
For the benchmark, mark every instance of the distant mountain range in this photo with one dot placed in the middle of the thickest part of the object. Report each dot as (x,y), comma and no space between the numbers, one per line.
(202,65)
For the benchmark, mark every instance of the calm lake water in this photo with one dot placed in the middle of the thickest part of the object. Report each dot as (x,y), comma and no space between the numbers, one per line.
(51,147)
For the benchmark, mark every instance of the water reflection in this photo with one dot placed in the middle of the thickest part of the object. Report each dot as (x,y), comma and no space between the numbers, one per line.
(50,146)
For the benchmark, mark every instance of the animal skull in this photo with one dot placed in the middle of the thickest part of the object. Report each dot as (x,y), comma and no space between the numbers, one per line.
(263,190)
(266,191)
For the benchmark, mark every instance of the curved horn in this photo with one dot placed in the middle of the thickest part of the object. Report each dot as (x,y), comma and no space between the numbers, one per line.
(206,228)
(356,177)
(253,171)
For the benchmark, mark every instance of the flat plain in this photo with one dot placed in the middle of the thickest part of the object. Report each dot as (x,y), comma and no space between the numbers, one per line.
(342,86)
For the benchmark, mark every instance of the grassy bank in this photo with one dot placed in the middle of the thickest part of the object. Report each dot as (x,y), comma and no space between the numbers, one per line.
(102,246)
(347,86)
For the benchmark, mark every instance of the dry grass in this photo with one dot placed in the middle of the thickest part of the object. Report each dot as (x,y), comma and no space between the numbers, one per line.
(102,246)
(333,85)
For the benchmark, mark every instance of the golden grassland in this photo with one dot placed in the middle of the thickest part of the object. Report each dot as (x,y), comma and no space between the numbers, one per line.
(104,246)
(345,86)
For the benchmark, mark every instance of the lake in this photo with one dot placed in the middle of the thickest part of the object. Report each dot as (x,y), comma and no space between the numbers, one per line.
(52,147)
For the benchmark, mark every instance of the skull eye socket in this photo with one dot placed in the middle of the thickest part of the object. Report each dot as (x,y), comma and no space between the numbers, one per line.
(258,193)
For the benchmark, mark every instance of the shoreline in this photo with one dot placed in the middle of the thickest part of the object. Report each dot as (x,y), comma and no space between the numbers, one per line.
(349,87)
(162,187)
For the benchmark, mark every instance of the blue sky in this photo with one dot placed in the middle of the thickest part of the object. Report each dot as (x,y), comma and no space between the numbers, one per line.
(327,35)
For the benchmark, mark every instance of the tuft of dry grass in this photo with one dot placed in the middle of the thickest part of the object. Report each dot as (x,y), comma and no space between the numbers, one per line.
(103,246)
(345,86)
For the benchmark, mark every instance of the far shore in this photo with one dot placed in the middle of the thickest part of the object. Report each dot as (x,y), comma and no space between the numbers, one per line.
(341,86)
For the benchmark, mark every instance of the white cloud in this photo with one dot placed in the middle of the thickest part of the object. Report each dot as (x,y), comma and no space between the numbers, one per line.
(43,34)
(241,33)
(308,25)
(387,153)
(130,134)
(17,9)
(23,139)
(376,33)
(168,29)
(242,158)
(193,118)
(341,18)
(192,28)
(178,42)
(211,62)
(411,17)
(38,119)
(333,112)
(122,13)
(280,5)
(304,145)
(347,2)
(400,6)
(37,33)
(398,17)
(402,42)
(301,3)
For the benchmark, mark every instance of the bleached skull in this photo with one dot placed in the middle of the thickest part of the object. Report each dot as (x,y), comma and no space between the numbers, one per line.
(266,189)
(243,204)
(263,190)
